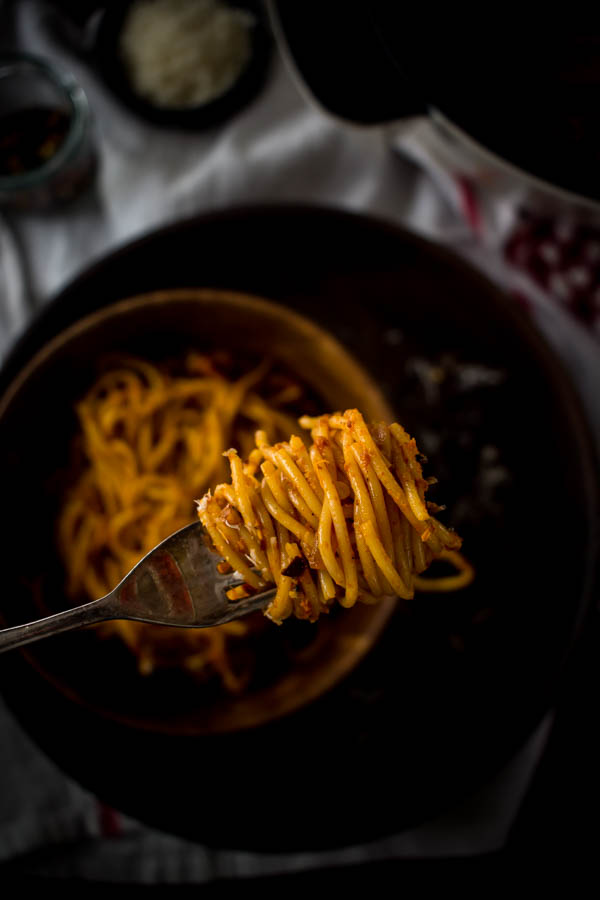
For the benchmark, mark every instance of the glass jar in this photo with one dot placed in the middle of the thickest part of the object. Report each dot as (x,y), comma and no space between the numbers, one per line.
(46,151)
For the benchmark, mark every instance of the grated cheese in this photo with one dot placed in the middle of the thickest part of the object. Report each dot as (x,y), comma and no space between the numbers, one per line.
(184,53)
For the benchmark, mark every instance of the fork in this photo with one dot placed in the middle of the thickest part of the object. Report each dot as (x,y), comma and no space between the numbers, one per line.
(177,583)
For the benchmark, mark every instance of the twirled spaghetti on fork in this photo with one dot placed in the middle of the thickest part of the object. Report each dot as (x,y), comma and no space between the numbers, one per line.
(344,520)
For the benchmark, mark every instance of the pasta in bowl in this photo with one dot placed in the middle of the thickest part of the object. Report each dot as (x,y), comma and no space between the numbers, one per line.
(151,439)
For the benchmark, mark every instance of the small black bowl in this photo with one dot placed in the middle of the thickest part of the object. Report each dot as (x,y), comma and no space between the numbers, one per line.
(99,25)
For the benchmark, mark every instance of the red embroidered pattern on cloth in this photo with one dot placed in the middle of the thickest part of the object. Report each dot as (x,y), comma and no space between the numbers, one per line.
(563,258)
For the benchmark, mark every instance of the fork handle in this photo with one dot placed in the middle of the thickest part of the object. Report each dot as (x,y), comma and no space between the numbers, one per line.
(88,614)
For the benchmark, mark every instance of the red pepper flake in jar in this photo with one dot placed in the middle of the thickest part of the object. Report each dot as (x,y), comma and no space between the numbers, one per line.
(29,138)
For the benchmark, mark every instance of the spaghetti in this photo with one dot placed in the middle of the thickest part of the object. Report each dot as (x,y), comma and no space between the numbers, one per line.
(344,520)
(151,441)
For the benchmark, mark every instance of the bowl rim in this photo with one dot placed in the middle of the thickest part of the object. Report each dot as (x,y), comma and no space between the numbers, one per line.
(236,299)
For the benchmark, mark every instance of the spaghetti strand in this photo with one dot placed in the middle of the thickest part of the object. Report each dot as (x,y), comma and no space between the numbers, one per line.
(361,523)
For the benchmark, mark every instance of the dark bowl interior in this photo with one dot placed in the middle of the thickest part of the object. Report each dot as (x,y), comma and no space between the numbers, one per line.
(457,682)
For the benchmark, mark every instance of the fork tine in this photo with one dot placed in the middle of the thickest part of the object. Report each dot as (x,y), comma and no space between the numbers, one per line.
(178,583)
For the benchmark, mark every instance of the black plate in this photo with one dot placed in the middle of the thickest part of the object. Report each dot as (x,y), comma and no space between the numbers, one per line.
(458,681)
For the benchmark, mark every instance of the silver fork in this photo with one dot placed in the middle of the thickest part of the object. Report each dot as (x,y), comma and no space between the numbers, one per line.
(177,583)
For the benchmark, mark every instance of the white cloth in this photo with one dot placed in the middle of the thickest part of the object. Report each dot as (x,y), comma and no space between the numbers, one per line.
(279,148)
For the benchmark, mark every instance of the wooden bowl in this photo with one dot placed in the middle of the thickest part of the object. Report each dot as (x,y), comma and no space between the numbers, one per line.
(298,661)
